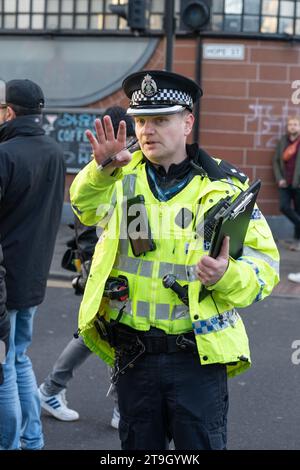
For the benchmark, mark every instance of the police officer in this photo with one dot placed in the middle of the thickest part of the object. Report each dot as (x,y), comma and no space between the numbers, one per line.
(173,349)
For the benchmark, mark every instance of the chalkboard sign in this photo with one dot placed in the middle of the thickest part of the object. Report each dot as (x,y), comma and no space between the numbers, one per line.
(67,127)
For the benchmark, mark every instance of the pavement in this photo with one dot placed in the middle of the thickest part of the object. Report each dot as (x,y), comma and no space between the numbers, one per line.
(289,262)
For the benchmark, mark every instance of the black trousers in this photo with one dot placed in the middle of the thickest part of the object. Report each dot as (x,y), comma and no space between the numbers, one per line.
(172,396)
(289,200)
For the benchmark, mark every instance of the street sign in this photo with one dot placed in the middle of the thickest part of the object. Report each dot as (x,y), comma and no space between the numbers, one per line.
(224,51)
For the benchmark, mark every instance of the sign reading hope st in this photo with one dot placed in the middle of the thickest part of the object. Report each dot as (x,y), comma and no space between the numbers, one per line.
(224,51)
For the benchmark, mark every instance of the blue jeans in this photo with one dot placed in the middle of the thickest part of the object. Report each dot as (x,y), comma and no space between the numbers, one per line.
(20,424)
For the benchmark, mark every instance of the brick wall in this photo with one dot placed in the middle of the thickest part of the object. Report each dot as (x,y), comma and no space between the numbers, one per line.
(245,104)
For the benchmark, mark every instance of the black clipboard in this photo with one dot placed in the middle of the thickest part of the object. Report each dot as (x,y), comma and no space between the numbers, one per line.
(234,223)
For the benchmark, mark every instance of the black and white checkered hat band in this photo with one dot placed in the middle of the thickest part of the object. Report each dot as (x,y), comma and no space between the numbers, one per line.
(163,96)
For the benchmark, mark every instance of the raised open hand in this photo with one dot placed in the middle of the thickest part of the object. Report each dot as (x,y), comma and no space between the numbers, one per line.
(105,144)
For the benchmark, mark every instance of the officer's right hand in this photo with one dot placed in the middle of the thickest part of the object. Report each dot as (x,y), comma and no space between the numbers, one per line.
(105,144)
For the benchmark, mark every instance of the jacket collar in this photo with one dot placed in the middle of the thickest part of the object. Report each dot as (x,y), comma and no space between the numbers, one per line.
(22,126)
(198,156)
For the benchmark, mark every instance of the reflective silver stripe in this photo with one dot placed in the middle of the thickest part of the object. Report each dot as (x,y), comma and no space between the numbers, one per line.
(143,309)
(191,273)
(216,323)
(179,270)
(117,305)
(114,198)
(146,268)
(131,266)
(126,264)
(180,312)
(162,311)
(129,182)
(165,268)
(106,216)
(247,251)
(123,246)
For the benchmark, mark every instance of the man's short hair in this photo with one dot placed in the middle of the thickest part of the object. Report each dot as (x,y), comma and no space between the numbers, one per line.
(293,118)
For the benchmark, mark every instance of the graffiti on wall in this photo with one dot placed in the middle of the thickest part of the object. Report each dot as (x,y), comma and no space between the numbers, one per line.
(269,126)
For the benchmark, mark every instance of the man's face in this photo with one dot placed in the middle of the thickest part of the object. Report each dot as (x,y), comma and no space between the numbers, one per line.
(162,138)
(293,127)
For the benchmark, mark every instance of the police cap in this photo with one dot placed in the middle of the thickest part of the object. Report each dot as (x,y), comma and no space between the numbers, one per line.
(155,92)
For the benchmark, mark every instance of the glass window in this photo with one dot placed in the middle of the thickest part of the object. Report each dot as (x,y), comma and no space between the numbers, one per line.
(24,6)
(66,21)
(81,6)
(251,24)
(252,7)
(217,6)
(156,21)
(23,21)
(52,6)
(286,25)
(38,6)
(286,8)
(232,23)
(81,22)
(9,21)
(67,6)
(52,22)
(298,9)
(158,6)
(37,22)
(297,27)
(97,6)
(10,6)
(268,24)
(96,22)
(111,22)
(123,24)
(233,6)
(270,7)
(217,22)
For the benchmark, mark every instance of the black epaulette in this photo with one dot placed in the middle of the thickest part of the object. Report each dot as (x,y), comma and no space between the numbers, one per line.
(231,170)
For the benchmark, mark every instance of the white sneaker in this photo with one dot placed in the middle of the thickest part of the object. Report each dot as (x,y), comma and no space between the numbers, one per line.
(294,277)
(56,405)
(115,418)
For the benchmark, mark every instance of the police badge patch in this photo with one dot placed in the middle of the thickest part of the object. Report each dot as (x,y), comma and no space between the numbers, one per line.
(148,87)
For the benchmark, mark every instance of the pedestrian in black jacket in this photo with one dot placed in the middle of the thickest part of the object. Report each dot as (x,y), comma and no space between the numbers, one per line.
(4,320)
(32,173)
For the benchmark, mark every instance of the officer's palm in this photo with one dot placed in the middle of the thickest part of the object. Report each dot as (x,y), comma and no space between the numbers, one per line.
(106,145)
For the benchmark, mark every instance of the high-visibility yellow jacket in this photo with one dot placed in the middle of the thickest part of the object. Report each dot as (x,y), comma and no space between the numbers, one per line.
(220,334)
